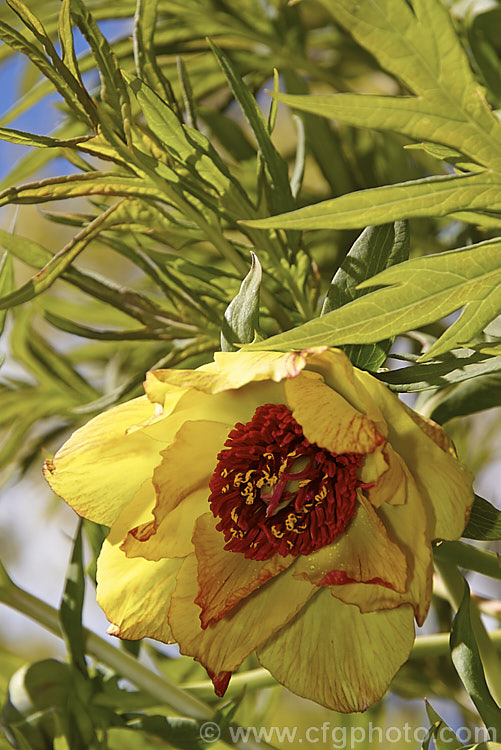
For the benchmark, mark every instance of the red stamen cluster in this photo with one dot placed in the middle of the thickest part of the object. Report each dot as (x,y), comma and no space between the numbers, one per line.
(274,491)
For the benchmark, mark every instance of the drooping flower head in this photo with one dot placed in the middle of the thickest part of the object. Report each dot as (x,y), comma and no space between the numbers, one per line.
(269,502)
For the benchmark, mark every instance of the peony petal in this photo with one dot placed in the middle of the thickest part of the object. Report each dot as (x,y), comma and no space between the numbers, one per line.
(442,481)
(173,535)
(374,465)
(340,375)
(433,430)
(335,655)
(102,465)
(222,646)
(406,526)
(230,370)
(362,553)
(328,419)
(181,479)
(135,593)
(224,577)
(391,486)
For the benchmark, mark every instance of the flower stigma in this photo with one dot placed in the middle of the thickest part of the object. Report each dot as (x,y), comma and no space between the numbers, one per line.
(275,492)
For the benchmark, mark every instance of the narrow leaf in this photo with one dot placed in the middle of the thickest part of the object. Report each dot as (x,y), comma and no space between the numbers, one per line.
(484,522)
(58,263)
(277,167)
(6,283)
(470,396)
(70,611)
(443,736)
(424,289)
(430,196)
(147,68)
(423,118)
(457,366)
(241,318)
(41,141)
(65,33)
(466,659)
(377,248)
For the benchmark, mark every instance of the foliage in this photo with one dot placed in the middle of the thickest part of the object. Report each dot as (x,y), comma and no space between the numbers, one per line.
(370,207)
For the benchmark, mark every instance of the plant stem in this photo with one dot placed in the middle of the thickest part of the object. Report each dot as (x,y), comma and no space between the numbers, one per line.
(156,685)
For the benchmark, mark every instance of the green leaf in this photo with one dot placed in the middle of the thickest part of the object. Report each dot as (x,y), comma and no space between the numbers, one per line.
(96,534)
(466,659)
(178,732)
(70,611)
(41,141)
(186,145)
(430,196)
(277,167)
(53,68)
(484,522)
(419,44)
(483,26)
(425,118)
(58,263)
(6,283)
(113,90)
(95,183)
(443,736)
(424,289)
(377,248)
(161,332)
(147,68)
(470,396)
(241,318)
(65,33)
(455,367)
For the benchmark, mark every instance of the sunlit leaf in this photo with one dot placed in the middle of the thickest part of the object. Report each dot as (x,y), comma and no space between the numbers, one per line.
(430,196)
(423,290)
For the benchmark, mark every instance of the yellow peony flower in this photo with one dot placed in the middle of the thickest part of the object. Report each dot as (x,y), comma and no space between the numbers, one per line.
(269,502)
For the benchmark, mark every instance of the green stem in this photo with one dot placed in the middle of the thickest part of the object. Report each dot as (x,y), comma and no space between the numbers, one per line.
(156,685)
(454,585)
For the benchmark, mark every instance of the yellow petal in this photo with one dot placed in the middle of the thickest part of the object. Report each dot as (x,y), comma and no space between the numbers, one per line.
(433,430)
(230,370)
(407,526)
(445,485)
(173,535)
(327,418)
(135,593)
(340,375)
(222,646)
(374,465)
(335,655)
(224,577)
(391,486)
(182,488)
(362,553)
(102,465)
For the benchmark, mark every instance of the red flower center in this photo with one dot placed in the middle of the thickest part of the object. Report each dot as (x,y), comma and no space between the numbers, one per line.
(274,491)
